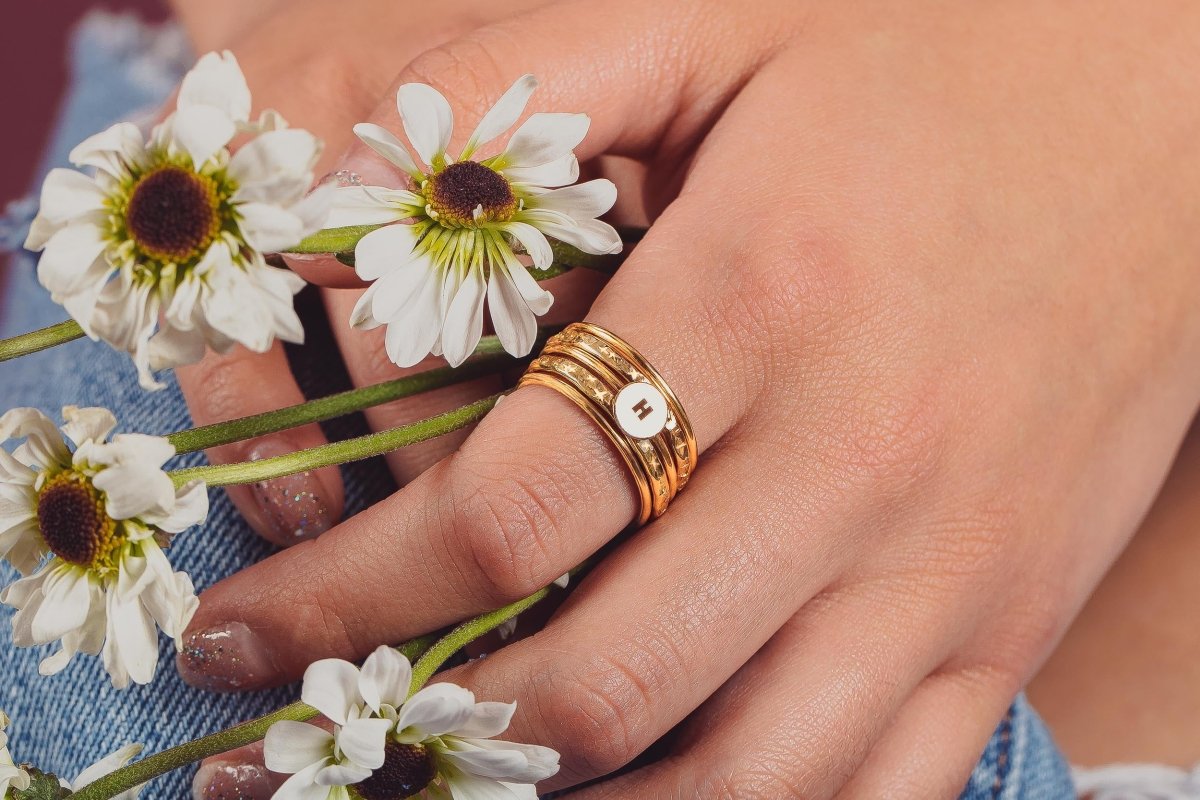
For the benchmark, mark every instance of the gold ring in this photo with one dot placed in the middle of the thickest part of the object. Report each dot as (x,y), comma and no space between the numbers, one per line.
(629,401)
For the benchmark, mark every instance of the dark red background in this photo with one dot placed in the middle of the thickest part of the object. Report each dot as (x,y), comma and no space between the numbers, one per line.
(32,71)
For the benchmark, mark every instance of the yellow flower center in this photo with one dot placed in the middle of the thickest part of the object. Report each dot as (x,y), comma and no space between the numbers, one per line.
(406,770)
(458,191)
(173,214)
(72,519)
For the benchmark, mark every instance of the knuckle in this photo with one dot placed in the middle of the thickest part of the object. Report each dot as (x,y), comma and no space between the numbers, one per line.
(505,527)
(468,70)
(602,714)
(217,386)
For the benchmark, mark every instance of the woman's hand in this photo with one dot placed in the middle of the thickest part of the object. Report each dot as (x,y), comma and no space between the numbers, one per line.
(924,278)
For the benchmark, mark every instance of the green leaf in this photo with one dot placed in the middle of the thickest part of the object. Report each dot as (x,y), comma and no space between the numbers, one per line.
(42,786)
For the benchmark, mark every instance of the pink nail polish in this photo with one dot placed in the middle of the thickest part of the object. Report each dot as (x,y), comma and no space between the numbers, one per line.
(293,506)
(225,658)
(232,782)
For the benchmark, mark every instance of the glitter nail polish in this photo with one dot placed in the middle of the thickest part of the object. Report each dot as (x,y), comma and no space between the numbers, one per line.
(232,782)
(224,658)
(294,507)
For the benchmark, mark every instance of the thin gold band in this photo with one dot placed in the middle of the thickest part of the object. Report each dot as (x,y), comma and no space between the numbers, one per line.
(593,367)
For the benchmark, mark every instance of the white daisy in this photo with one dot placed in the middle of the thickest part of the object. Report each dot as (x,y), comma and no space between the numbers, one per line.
(106,766)
(467,221)
(436,744)
(11,776)
(103,514)
(160,253)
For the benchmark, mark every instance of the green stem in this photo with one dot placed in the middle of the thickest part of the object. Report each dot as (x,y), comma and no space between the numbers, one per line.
(333,240)
(489,358)
(466,633)
(40,339)
(151,767)
(329,455)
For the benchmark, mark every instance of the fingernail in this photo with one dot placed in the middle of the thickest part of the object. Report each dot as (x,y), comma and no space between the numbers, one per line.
(231,782)
(224,658)
(293,506)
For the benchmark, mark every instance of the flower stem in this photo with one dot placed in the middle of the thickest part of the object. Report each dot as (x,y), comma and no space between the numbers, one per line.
(328,455)
(40,339)
(489,358)
(151,767)
(333,240)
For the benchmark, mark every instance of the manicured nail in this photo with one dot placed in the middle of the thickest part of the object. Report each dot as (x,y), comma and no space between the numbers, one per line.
(224,658)
(220,781)
(293,506)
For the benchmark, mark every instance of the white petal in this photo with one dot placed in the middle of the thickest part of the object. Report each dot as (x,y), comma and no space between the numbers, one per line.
(302,785)
(487,720)
(133,479)
(463,326)
(191,508)
(505,761)
(110,149)
(363,740)
(382,251)
(464,786)
(411,336)
(202,131)
(537,298)
(275,167)
(84,424)
(582,201)
(534,242)
(106,766)
(385,679)
(514,323)
(427,117)
(590,235)
(217,82)
(131,647)
(268,228)
(66,607)
(370,205)
(437,709)
(343,774)
(545,138)
(503,115)
(382,141)
(331,687)
(559,172)
(43,442)
(66,263)
(292,746)
(66,194)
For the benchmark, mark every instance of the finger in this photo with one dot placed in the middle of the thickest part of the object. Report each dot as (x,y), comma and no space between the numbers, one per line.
(636,103)
(935,742)
(240,774)
(284,510)
(800,718)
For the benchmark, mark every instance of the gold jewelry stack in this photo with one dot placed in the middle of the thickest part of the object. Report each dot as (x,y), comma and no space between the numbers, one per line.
(627,399)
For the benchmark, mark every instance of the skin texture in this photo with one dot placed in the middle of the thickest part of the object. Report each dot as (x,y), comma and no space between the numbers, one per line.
(923,277)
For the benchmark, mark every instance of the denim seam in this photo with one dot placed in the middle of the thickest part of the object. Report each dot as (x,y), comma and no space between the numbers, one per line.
(1003,758)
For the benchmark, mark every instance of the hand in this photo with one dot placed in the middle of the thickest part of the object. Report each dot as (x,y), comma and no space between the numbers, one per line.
(924,280)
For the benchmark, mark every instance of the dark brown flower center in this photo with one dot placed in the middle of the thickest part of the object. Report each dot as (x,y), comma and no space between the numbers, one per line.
(73,521)
(458,190)
(172,214)
(406,770)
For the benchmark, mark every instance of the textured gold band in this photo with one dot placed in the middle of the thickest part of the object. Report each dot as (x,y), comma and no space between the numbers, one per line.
(629,401)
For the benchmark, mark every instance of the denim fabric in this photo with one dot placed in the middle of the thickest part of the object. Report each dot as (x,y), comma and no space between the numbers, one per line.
(63,723)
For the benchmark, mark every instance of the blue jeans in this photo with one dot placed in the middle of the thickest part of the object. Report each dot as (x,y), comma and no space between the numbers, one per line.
(63,723)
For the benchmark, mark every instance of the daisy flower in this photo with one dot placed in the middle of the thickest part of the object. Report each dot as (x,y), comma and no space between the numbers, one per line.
(160,252)
(11,776)
(436,744)
(87,528)
(471,225)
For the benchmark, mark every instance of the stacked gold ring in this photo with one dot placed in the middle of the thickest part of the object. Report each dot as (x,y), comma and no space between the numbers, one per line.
(629,401)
